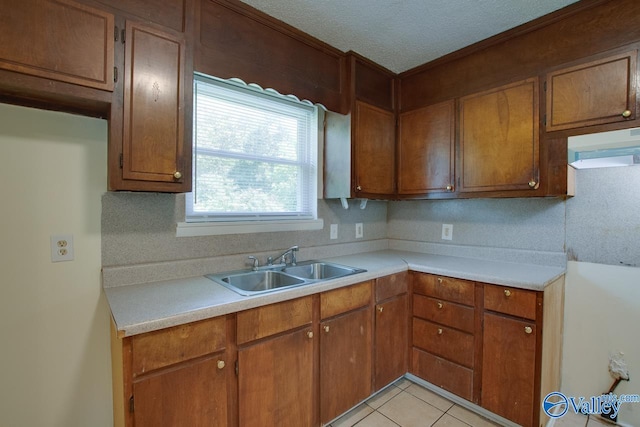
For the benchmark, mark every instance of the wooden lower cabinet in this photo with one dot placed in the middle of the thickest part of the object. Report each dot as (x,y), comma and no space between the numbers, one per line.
(391,340)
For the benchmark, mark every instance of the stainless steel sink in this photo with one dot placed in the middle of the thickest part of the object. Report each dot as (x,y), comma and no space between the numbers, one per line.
(269,279)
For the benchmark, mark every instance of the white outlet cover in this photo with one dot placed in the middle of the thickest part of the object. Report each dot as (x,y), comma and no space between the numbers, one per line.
(359,230)
(334,231)
(447,231)
(61,247)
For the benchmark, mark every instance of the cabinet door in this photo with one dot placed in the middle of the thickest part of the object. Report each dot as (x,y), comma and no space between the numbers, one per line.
(499,138)
(391,341)
(192,395)
(153,141)
(508,368)
(58,40)
(345,362)
(373,151)
(602,91)
(426,150)
(275,381)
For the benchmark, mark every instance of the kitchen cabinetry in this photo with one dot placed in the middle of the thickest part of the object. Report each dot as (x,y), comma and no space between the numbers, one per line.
(153,155)
(59,40)
(426,150)
(175,376)
(345,349)
(373,151)
(591,93)
(391,329)
(444,333)
(275,365)
(499,139)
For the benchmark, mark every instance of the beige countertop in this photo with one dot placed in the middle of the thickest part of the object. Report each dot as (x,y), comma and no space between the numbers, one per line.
(147,307)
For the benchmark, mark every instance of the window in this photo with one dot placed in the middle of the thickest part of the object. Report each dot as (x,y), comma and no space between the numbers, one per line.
(255,155)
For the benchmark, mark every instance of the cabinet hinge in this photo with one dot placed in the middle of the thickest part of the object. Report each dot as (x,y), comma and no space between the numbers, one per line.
(544,120)
(122,33)
(115,33)
(237,369)
(121,161)
(131,405)
(545,86)
(115,74)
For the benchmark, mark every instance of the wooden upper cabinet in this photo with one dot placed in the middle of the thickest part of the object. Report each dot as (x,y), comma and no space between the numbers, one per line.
(168,13)
(153,147)
(58,40)
(597,92)
(499,140)
(373,151)
(426,149)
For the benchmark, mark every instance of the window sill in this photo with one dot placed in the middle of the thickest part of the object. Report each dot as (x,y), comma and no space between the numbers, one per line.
(193,229)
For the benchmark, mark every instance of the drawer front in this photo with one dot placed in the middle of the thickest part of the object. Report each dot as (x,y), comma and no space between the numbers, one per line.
(274,318)
(444,312)
(390,286)
(345,299)
(449,376)
(445,342)
(513,301)
(157,349)
(450,289)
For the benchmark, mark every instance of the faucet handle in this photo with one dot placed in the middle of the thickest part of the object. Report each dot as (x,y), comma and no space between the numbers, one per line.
(256,263)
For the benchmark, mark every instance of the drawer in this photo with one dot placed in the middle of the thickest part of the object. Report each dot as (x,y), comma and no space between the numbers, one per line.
(513,301)
(391,286)
(447,375)
(447,288)
(345,299)
(444,312)
(445,342)
(157,349)
(274,318)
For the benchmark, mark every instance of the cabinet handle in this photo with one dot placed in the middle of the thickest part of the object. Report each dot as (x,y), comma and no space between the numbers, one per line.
(533,183)
(359,188)
(440,305)
(527,329)
(626,114)
(439,279)
(310,334)
(439,331)
(449,187)
(177,175)
(507,293)
(221,364)
(326,328)
(380,308)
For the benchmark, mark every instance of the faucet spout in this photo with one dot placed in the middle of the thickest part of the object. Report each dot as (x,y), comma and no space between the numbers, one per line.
(292,255)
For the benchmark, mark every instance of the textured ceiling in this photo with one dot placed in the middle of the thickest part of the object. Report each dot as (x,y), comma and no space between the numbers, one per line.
(402,34)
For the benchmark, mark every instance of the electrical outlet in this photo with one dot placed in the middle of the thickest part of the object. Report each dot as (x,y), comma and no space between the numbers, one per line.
(447,231)
(359,231)
(62,247)
(334,231)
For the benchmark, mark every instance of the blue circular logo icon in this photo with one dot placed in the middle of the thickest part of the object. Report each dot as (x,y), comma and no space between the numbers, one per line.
(555,404)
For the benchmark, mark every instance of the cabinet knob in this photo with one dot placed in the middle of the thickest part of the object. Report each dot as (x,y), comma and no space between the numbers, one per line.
(310,334)
(177,175)
(439,279)
(359,188)
(626,114)
(527,329)
(533,183)
(449,187)
(507,293)
(221,364)
(439,305)
(439,331)
(380,308)
(326,328)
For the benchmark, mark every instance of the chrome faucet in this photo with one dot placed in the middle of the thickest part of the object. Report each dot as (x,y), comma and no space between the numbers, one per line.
(283,257)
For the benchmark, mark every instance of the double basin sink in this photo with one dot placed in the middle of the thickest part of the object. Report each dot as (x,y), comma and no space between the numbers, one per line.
(268,279)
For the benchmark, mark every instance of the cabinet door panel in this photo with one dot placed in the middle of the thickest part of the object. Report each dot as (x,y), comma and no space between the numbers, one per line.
(426,149)
(275,382)
(593,93)
(194,395)
(374,151)
(153,141)
(391,341)
(59,40)
(499,138)
(508,368)
(345,363)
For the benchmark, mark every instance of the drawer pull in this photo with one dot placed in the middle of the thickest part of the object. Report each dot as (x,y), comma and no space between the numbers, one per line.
(440,280)
(326,328)
(310,334)
(380,308)
(221,364)
(507,293)
(439,331)
(626,114)
(440,305)
(527,329)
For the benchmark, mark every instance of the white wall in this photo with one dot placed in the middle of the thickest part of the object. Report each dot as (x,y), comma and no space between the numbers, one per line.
(54,320)
(601,317)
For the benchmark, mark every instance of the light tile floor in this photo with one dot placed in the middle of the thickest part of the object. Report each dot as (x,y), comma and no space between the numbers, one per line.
(407,404)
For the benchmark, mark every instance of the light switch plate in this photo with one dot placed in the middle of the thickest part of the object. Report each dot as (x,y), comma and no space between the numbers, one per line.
(359,231)
(447,231)
(334,231)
